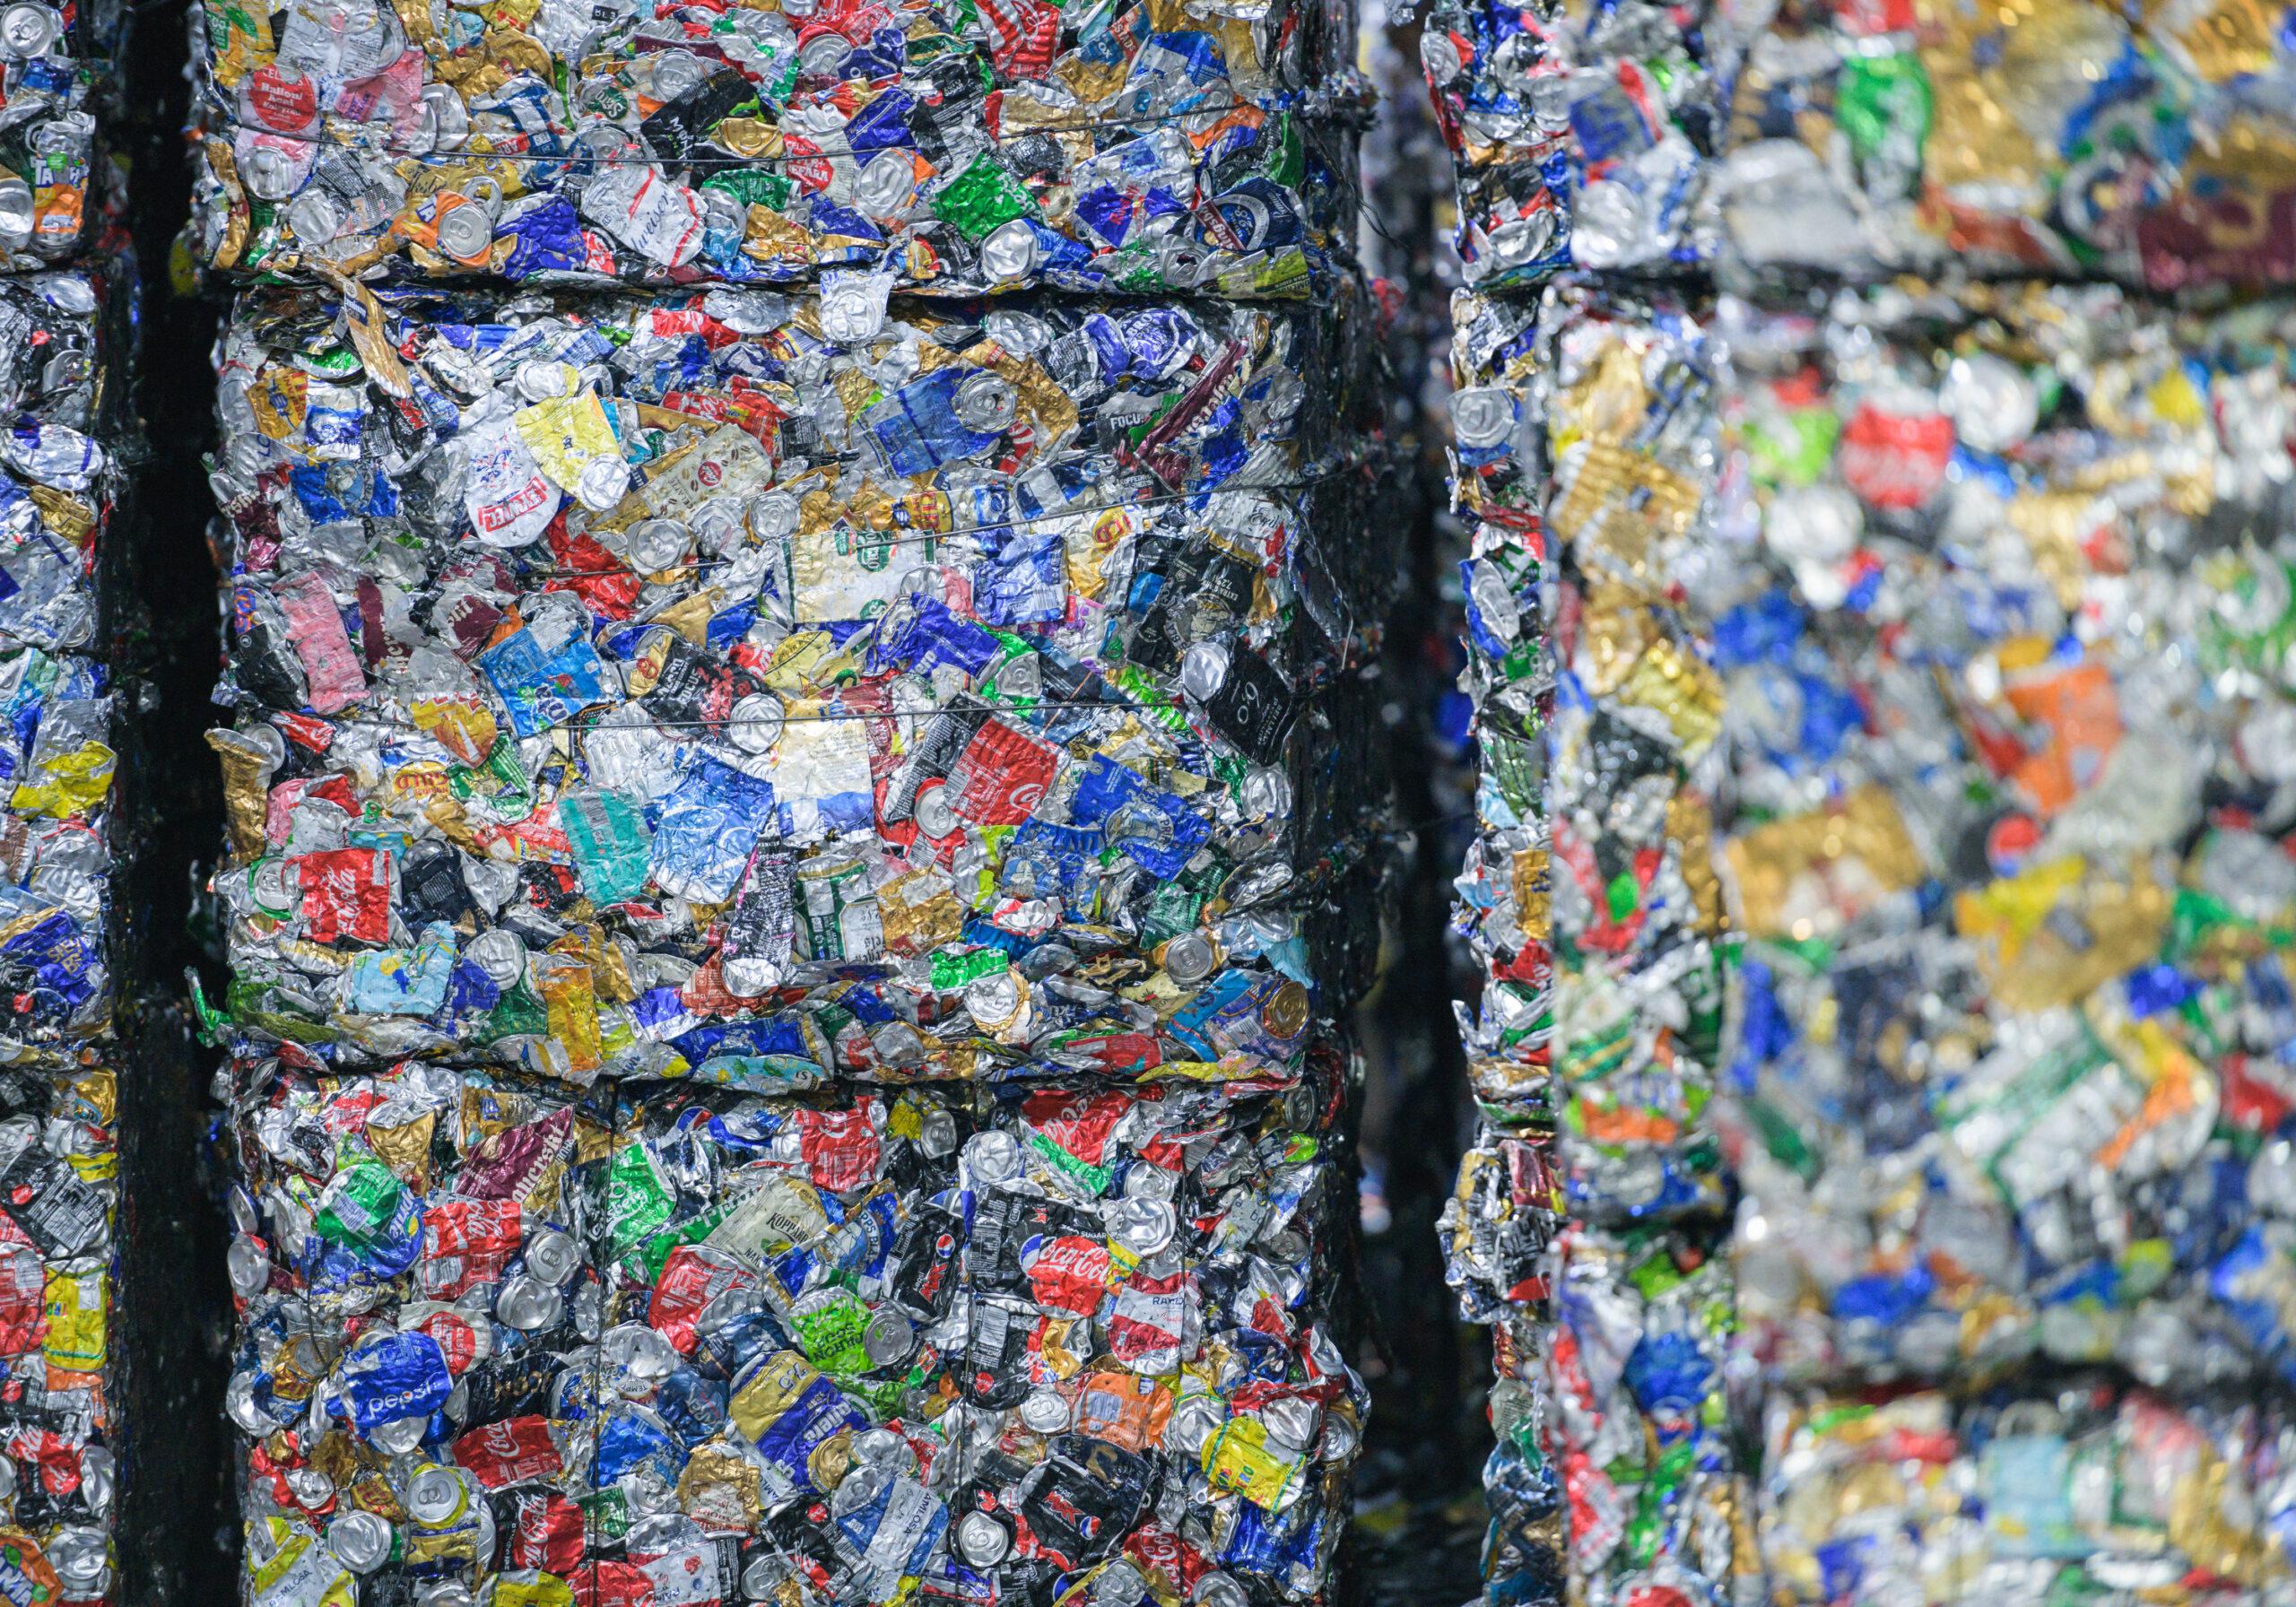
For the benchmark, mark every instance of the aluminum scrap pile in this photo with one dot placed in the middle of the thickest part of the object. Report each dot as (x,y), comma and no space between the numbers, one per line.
(1096,148)
(796,849)
(1893,936)
(66,344)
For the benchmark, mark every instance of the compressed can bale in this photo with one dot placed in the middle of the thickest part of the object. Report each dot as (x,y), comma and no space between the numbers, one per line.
(1507,1205)
(416,1367)
(1914,850)
(818,730)
(1620,412)
(2004,715)
(586,648)
(2057,138)
(58,1265)
(1583,434)
(61,476)
(1580,138)
(993,1344)
(1203,149)
(65,336)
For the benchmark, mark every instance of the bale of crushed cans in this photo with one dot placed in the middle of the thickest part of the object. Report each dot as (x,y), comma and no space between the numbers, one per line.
(651,1341)
(845,830)
(1499,1224)
(1913,841)
(2007,738)
(631,685)
(67,340)
(2056,137)
(1921,698)
(65,336)
(1593,1047)
(1163,150)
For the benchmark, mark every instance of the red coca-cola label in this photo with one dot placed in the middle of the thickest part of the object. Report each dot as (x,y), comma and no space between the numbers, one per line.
(518,1450)
(548,1535)
(457,1338)
(346,893)
(1895,460)
(473,1228)
(466,1243)
(1079,1122)
(1001,777)
(691,1279)
(1070,1274)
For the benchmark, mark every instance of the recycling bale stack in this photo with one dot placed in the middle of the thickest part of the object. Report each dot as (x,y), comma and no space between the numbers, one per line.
(798,830)
(67,328)
(1900,432)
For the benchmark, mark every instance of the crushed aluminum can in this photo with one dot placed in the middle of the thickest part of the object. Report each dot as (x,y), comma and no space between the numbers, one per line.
(1021,145)
(656,686)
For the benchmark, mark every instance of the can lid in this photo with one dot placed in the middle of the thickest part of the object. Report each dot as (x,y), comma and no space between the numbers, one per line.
(757,723)
(27,29)
(986,403)
(465,230)
(1142,1225)
(886,182)
(551,1255)
(500,955)
(659,543)
(1481,415)
(1009,251)
(1045,1412)
(434,1496)
(602,483)
(981,1540)
(528,1304)
(360,1540)
(1190,958)
(1204,670)
(1286,1010)
(889,1338)
(933,816)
